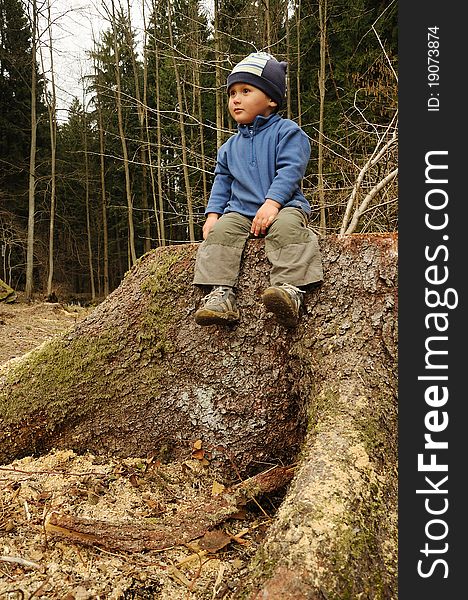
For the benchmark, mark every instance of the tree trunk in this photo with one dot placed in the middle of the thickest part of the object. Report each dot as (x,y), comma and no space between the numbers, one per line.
(138,377)
(321,84)
(183,137)
(298,56)
(52,109)
(102,174)
(29,285)
(132,257)
(88,216)
(288,60)
(158,211)
(141,120)
(218,78)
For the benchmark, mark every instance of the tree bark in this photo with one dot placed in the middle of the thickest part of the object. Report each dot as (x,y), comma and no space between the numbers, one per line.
(7,293)
(52,110)
(132,257)
(29,285)
(138,377)
(183,136)
(322,77)
(193,522)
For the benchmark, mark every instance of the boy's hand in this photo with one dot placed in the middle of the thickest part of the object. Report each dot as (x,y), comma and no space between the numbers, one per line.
(265,216)
(209,223)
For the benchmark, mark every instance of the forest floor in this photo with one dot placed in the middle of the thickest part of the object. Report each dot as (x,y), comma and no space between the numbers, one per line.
(25,325)
(38,562)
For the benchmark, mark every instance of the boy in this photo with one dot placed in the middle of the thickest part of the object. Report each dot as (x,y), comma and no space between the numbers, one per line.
(257,191)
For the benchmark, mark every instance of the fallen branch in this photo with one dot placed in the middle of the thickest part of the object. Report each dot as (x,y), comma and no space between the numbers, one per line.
(22,562)
(175,530)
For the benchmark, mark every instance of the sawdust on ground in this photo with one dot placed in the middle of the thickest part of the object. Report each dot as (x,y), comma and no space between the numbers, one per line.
(25,325)
(36,564)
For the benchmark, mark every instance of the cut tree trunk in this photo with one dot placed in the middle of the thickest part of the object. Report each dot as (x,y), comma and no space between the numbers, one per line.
(138,377)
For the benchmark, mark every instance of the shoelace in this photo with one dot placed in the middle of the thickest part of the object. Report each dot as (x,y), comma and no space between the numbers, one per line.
(216,294)
(291,288)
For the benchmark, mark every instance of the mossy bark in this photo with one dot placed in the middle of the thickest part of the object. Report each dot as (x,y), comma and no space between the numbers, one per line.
(7,294)
(335,535)
(138,376)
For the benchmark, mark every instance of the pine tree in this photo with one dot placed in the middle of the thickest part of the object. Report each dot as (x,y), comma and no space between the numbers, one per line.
(15,100)
(15,127)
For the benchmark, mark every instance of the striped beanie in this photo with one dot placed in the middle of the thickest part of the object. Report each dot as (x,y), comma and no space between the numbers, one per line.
(263,71)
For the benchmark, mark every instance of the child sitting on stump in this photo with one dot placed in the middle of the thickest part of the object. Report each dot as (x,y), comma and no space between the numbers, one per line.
(257,192)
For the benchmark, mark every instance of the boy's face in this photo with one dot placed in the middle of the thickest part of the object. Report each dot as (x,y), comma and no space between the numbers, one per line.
(247,102)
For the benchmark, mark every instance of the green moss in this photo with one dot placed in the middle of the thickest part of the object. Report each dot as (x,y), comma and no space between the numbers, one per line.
(164,285)
(51,373)
(68,378)
(261,569)
(358,566)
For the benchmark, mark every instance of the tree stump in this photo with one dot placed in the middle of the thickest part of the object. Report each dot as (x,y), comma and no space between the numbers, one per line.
(138,376)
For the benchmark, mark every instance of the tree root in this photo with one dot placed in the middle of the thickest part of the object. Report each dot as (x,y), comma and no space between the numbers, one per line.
(176,530)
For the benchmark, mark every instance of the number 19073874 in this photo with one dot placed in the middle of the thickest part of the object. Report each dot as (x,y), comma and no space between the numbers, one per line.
(433,67)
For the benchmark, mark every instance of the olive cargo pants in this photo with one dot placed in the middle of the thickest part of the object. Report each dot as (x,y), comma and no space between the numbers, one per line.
(290,246)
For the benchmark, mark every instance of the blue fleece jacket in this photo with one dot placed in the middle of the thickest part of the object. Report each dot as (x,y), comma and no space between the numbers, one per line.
(265,160)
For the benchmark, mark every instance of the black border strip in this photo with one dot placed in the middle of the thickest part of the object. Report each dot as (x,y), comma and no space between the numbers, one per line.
(432,293)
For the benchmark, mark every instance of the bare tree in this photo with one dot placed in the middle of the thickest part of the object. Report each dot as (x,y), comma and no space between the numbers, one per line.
(218,78)
(183,136)
(102,171)
(322,6)
(298,59)
(197,101)
(288,60)
(88,218)
(356,205)
(118,98)
(160,207)
(32,156)
(51,101)
(141,119)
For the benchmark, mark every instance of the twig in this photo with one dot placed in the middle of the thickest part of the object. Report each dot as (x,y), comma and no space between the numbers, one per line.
(23,562)
(6,574)
(39,590)
(26,510)
(61,473)
(20,592)
(197,575)
(365,203)
(219,579)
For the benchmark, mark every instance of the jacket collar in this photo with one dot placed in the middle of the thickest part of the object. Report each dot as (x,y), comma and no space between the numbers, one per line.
(259,123)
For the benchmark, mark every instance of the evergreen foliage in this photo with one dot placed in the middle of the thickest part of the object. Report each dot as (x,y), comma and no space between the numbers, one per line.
(15,135)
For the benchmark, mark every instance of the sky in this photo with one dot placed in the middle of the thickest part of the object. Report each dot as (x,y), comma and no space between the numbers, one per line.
(75,24)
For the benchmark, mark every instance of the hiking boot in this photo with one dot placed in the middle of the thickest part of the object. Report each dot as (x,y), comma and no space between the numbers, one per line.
(285,302)
(218,307)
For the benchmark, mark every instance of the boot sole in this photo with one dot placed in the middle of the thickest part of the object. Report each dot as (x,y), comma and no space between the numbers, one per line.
(203,316)
(278,302)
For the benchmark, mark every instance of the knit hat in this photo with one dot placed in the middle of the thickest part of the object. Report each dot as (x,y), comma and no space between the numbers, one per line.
(263,71)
